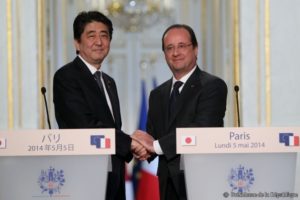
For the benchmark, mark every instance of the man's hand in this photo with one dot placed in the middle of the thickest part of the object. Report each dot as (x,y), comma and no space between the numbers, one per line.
(139,151)
(145,139)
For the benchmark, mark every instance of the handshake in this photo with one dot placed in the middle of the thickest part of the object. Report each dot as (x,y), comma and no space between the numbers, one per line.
(142,145)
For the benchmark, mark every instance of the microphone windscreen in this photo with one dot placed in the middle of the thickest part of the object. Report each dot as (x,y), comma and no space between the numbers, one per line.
(43,90)
(236,88)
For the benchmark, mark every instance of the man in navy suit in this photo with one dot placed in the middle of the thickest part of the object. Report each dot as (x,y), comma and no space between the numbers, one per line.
(85,97)
(191,98)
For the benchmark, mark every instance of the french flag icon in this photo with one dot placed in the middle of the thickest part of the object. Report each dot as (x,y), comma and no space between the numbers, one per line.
(289,139)
(100,141)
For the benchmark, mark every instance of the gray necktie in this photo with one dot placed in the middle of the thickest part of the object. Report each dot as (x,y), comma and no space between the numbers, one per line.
(97,77)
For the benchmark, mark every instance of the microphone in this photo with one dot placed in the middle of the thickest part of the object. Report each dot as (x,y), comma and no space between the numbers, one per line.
(236,89)
(43,90)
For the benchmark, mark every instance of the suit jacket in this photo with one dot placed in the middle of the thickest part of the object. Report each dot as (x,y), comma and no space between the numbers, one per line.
(79,103)
(202,103)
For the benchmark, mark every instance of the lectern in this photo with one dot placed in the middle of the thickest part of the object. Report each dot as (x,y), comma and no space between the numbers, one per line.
(69,164)
(240,163)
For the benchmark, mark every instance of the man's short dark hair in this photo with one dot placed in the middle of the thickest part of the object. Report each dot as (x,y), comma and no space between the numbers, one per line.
(184,26)
(84,18)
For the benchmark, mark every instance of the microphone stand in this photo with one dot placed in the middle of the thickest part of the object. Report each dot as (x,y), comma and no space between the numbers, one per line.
(43,90)
(236,89)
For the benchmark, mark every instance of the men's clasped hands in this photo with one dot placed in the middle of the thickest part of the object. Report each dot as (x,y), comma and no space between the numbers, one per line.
(142,145)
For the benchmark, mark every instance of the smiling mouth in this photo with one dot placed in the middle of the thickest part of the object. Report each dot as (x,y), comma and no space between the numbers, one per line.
(178,60)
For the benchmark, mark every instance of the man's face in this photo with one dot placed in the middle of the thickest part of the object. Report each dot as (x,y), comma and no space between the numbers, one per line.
(179,52)
(94,43)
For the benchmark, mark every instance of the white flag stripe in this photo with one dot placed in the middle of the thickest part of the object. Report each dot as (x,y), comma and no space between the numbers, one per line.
(102,142)
(129,190)
(291,141)
(150,167)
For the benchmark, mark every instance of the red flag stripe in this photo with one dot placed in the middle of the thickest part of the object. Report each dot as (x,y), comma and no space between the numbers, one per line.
(148,188)
(296,140)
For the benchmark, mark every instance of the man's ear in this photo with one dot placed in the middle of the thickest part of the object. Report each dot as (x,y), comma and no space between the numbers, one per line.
(196,51)
(77,46)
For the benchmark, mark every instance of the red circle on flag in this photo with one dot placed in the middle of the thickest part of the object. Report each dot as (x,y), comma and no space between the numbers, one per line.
(188,140)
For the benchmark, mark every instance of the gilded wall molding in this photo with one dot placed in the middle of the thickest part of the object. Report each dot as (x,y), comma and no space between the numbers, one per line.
(18,63)
(41,57)
(267,62)
(204,32)
(9,64)
(236,50)
(258,64)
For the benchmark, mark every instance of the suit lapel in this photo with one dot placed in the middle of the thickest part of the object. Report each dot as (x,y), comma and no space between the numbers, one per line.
(187,92)
(87,77)
(113,96)
(165,100)
(85,73)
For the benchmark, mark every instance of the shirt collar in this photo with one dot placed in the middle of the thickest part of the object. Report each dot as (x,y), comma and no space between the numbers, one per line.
(89,66)
(185,77)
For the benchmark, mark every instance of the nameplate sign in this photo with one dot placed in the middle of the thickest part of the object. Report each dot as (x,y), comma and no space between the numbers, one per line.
(57,142)
(237,140)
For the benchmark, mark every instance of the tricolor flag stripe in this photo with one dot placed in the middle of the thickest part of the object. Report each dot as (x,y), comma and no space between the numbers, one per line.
(294,141)
(104,143)
(107,143)
(291,141)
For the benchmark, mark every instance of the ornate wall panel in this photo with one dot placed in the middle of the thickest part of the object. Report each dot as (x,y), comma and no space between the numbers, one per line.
(252,43)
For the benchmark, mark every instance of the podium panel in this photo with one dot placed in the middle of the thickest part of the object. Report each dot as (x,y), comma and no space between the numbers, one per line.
(240,163)
(69,164)
(53,177)
(262,176)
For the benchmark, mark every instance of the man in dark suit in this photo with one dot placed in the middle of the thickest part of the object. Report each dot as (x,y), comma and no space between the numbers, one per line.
(86,97)
(191,98)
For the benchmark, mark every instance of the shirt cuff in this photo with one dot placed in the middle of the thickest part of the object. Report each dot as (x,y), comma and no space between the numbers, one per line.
(157,148)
